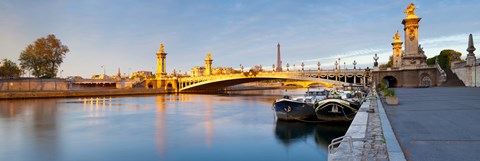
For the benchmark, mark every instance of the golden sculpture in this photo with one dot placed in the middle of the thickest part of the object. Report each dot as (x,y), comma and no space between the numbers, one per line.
(396,38)
(162,48)
(410,11)
(209,56)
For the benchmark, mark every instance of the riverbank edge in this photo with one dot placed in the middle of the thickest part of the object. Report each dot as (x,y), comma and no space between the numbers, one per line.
(78,93)
(358,132)
(110,92)
(395,152)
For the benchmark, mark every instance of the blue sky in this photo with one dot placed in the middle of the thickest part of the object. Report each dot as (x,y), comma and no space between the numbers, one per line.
(126,34)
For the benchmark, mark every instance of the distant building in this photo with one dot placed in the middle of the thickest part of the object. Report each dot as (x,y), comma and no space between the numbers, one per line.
(279,60)
(222,70)
(197,71)
(100,76)
(141,74)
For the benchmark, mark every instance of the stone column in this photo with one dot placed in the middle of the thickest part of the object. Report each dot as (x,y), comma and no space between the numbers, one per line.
(397,51)
(161,62)
(208,64)
(471,66)
(413,53)
(411,36)
(471,48)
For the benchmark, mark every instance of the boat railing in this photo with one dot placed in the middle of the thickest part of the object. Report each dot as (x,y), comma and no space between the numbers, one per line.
(335,144)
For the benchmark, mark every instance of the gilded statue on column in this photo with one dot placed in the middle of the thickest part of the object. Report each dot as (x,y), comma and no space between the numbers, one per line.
(162,48)
(396,38)
(410,11)
(209,56)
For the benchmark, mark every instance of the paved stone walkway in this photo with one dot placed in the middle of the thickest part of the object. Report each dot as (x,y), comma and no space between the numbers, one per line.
(367,136)
(374,147)
(437,123)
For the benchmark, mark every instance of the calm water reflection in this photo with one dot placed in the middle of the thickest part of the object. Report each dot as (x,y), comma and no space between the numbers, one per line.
(238,126)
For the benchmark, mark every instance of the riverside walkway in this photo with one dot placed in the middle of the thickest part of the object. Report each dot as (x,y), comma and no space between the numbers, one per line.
(437,123)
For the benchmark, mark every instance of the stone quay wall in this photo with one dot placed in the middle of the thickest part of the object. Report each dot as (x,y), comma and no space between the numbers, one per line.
(79,93)
(467,73)
(29,84)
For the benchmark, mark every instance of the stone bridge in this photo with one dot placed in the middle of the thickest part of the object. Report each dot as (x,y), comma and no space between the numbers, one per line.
(220,82)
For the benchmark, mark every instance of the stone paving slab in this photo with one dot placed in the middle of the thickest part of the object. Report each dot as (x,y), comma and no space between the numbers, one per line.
(437,123)
(357,131)
(395,153)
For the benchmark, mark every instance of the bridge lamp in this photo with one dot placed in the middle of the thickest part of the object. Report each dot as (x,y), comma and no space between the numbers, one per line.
(336,64)
(302,66)
(318,64)
(273,67)
(354,64)
(288,65)
(104,75)
(345,65)
(375,64)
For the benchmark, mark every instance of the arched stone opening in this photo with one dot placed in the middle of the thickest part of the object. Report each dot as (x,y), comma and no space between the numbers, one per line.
(390,81)
(316,85)
(294,85)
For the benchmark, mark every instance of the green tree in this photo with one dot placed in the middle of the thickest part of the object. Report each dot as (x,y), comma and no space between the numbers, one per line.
(43,57)
(389,63)
(445,58)
(9,69)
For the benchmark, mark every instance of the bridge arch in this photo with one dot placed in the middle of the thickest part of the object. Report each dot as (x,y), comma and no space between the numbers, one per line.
(220,82)
(391,81)
(318,84)
(150,85)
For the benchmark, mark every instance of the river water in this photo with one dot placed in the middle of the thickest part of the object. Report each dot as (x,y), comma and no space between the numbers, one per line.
(237,126)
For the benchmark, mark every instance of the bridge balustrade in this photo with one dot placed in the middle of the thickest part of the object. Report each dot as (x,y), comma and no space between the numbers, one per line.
(309,75)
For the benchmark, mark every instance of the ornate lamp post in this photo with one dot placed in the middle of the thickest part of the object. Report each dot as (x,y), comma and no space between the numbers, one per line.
(375,64)
(302,66)
(336,70)
(366,75)
(287,67)
(273,68)
(241,68)
(318,65)
(345,72)
(294,67)
(354,64)
(104,76)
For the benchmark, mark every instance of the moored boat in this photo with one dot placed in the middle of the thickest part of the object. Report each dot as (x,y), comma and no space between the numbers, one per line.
(336,110)
(299,108)
(339,106)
